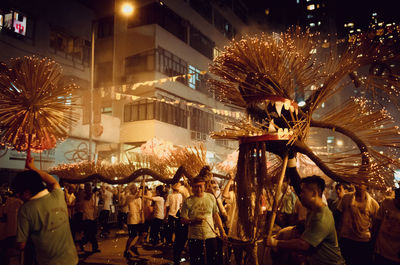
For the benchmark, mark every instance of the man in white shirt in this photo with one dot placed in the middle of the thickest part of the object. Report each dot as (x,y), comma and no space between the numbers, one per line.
(172,206)
(359,211)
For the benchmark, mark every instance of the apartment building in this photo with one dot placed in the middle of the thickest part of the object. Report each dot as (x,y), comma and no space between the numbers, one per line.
(59,30)
(167,45)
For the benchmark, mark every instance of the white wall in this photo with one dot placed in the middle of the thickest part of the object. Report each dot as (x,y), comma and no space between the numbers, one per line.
(111,127)
(141,131)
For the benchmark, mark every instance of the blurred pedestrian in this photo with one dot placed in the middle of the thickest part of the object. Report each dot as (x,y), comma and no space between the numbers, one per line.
(359,211)
(107,199)
(173,206)
(387,226)
(89,208)
(136,228)
(158,215)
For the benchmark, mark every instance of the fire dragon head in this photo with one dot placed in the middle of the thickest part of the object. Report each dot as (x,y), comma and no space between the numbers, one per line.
(264,75)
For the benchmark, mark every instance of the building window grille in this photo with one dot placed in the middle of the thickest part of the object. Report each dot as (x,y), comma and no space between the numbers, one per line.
(171,65)
(75,47)
(152,110)
(201,121)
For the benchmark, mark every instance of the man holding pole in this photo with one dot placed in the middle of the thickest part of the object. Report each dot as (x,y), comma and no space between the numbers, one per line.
(43,218)
(319,239)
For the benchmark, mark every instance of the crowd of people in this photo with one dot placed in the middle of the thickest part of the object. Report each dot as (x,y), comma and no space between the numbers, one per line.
(344,225)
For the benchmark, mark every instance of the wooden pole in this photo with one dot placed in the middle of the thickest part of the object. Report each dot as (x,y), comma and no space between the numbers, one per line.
(28,151)
(277,195)
(271,220)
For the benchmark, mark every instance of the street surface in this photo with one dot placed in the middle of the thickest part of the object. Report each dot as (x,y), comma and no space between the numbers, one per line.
(112,249)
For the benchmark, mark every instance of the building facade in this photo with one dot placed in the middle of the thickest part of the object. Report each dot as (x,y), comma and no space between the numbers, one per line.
(61,31)
(157,83)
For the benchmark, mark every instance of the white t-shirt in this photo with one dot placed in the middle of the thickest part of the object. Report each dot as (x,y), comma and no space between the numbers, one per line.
(174,202)
(357,217)
(135,210)
(107,199)
(158,207)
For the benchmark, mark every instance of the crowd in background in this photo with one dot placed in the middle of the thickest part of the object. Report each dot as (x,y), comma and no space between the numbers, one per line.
(152,215)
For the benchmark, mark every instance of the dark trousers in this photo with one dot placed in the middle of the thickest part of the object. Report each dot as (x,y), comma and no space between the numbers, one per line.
(204,252)
(122,217)
(76,224)
(89,233)
(181,234)
(171,227)
(356,252)
(380,260)
(244,253)
(103,219)
(155,229)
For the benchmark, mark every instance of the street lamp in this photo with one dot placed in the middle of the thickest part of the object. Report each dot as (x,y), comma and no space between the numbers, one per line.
(126,10)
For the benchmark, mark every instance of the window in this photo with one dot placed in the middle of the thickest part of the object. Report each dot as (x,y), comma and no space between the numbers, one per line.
(106,110)
(161,15)
(150,110)
(76,47)
(217,52)
(170,64)
(201,121)
(19,23)
(201,43)
(223,25)
(15,22)
(203,7)
(195,78)
(240,10)
(141,62)
(105,27)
